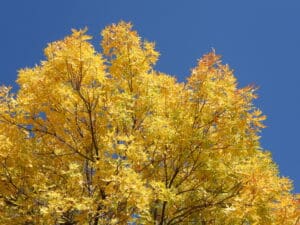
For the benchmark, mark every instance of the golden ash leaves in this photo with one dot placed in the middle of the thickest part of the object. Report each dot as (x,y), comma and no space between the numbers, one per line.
(103,138)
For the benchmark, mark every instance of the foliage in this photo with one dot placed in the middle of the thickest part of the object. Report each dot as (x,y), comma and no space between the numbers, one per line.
(103,138)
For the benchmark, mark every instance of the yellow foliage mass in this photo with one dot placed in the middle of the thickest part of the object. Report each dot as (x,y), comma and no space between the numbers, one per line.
(103,138)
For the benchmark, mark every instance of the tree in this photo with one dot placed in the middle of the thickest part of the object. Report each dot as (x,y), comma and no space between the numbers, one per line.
(103,138)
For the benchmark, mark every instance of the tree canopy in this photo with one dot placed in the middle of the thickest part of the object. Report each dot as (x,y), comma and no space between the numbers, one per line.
(103,138)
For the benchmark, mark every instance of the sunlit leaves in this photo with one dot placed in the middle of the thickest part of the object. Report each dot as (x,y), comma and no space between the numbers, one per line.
(94,138)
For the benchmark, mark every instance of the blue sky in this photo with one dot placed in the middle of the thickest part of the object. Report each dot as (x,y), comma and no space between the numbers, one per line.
(259,39)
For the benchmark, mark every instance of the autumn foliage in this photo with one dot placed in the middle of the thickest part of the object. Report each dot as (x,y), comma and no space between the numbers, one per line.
(103,138)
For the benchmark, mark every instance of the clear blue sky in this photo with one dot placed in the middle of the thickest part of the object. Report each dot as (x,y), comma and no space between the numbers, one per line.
(259,39)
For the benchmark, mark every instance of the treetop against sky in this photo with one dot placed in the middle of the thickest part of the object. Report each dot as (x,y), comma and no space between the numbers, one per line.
(102,137)
(258,39)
